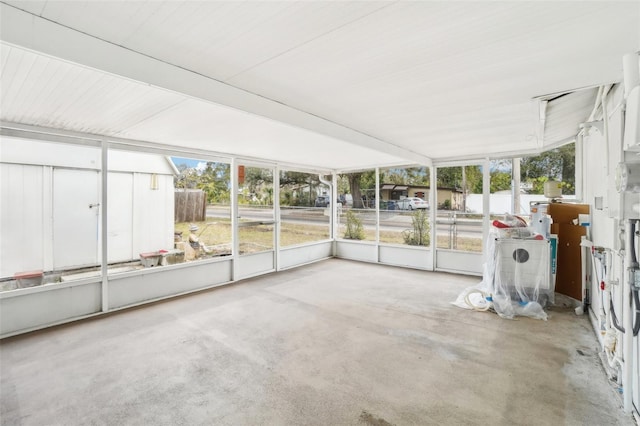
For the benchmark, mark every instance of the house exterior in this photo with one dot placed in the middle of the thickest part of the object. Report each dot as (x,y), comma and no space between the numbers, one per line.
(391,191)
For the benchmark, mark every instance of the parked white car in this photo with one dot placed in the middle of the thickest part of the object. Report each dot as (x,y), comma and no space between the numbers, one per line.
(412,203)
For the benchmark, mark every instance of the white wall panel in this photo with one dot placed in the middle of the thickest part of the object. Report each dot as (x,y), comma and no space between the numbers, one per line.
(120,217)
(25,151)
(44,308)
(160,282)
(410,257)
(130,161)
(459,262)
(22,223)
(366,252)
(253,264)
(295,256)
(152,213)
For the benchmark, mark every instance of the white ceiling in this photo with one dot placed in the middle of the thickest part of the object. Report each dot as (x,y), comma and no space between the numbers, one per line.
(322,84)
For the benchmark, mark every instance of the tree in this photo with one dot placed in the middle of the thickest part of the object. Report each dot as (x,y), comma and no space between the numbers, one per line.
(500,181)
(188,177)
(449,177)
(291,188)
(556,164)
(215,181)
(418,176)
(354,185)
(357,182)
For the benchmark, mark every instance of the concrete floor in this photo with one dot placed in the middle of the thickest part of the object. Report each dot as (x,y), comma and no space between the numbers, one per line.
(333,343)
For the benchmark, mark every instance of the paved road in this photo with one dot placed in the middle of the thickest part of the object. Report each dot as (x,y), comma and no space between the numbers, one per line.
(389,221)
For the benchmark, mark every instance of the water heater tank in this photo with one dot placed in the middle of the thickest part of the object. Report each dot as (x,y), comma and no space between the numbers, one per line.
(553,189)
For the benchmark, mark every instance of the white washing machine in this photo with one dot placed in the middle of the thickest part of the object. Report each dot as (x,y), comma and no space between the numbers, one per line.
(522,270)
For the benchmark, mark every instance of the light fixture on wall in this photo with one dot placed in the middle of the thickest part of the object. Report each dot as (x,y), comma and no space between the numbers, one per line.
(154,182)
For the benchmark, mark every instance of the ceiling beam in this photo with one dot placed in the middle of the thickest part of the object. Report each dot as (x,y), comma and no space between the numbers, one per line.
(29,31)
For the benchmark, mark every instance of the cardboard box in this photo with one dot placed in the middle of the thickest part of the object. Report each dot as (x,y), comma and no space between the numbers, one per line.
(566,213)
(569,261)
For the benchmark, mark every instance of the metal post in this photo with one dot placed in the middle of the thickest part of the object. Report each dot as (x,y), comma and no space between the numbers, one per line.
(334,211)
(377,201)
(276,214)
(627,321)
(235,243)
(486,203)
(578,169)
(515,185)
(104,220)
(433,206)
(452,220)
(454,227)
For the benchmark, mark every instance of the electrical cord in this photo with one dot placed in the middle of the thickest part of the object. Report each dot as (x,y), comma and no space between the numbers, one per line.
(614,319)
(485,297)
(636,323)
(632,283)
(595,270)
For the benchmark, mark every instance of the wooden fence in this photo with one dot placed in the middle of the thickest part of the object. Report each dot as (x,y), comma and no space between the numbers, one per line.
(190,205)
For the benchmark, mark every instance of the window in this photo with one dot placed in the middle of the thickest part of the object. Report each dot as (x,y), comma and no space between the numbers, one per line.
(404,206)
(358,216)
(305,204)
(459,222)
(255,210)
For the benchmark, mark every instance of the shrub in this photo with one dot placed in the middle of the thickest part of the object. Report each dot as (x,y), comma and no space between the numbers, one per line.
(419,234)
(354,230)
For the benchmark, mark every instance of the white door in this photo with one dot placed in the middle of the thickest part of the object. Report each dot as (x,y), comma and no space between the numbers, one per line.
(76,214)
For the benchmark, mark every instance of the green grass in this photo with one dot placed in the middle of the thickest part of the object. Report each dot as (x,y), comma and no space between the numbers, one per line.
(253,239)
(292,234)
(217,232)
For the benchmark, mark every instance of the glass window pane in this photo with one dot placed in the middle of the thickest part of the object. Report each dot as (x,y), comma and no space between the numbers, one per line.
(50,225)
(358,216)
(305,208)
(255,209)
(255,238)
(557,164)
(459,222)
(404,206)
(167,210)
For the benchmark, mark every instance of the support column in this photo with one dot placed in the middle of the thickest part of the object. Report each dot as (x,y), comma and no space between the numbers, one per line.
(433,212)
(515,186)
(104,262)
(486,203)
(235,243)
(578,164)
(276,215)
(377,195)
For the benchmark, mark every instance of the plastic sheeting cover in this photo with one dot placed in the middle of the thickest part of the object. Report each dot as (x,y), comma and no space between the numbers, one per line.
(516,279)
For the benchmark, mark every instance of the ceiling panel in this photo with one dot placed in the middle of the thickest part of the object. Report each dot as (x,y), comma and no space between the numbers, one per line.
(219,39)
(566,113)
(42,91)
(488,54)
(224,130)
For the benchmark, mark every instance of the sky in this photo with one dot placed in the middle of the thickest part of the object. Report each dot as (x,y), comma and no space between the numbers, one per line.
(197,164)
